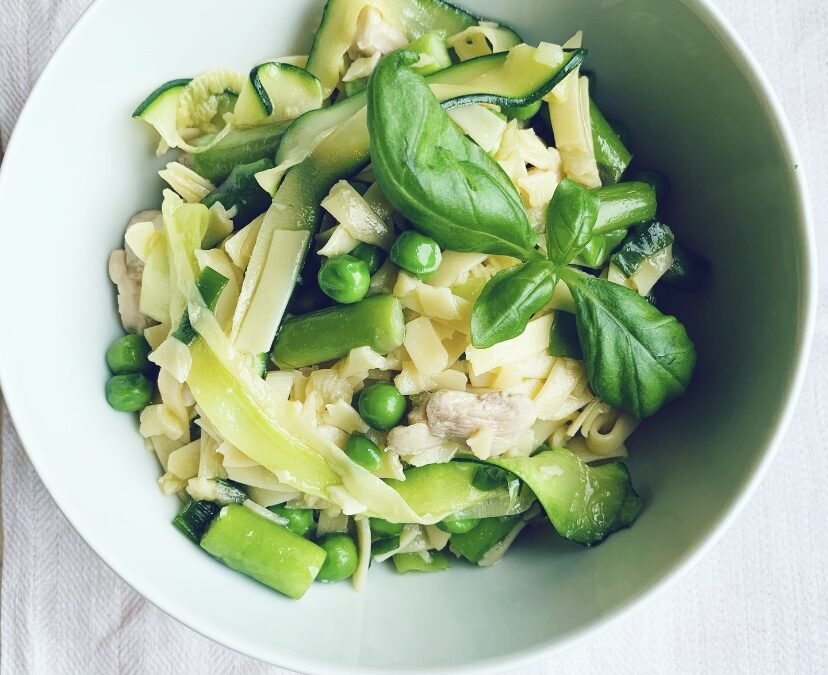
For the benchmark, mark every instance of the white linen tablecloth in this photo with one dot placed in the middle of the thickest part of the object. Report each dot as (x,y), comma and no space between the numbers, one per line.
(758,603)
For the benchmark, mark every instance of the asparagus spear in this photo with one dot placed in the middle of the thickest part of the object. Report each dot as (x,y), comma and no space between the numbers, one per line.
(264,550)
(623,205)
(612,156)
(331,333)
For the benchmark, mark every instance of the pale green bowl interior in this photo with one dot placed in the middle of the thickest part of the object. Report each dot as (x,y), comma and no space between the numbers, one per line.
(681,88)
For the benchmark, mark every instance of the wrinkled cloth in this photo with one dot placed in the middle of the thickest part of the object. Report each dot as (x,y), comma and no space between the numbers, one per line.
(758,603)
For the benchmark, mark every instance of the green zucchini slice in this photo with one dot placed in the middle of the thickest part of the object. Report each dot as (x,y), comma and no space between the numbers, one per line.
(339,27)
(160,109)
(584,503)
(276,91)
(514,78)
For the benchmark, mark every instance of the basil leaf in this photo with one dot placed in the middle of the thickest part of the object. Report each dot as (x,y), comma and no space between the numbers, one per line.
(509,300)
(571,215)
(647,240)
(637,358)
(444,183)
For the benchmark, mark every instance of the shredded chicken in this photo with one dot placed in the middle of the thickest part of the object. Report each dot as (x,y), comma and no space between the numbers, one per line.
(458,415)
(374,34)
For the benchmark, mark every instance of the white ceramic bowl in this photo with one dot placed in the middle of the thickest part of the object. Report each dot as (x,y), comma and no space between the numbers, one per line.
(77,167)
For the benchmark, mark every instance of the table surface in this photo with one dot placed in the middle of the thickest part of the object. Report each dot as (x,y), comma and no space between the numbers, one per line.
(758,603)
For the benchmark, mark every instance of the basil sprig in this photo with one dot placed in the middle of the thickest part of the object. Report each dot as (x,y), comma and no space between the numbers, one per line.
(435,176)
(637,358)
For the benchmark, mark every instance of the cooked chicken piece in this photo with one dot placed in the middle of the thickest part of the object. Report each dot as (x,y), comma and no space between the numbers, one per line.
(457,415)
(374,34)
(418,446)
(125,271)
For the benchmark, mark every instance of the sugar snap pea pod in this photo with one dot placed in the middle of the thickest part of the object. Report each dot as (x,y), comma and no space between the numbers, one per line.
(331,333)
(239,146)
(264,550)
(610,152)
(241,190)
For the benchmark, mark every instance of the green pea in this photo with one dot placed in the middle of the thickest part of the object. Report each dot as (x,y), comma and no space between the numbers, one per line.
(364,452)
(373,256)
(128,354)
(341,559)
(300,521)
(521,112)
(382,528)
(129,393)
(416,253)
(344,279)
(488,478)
(381,406)
(658,180)
(454,525)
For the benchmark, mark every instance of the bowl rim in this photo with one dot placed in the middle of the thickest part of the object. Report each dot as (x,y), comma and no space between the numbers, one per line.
(721,27)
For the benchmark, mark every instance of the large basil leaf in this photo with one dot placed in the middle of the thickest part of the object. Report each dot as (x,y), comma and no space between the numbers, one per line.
(509,300)
(637,358)
(571,215)
(444,183)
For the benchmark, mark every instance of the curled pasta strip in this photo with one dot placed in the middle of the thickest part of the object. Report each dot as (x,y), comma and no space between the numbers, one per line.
(605,436)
